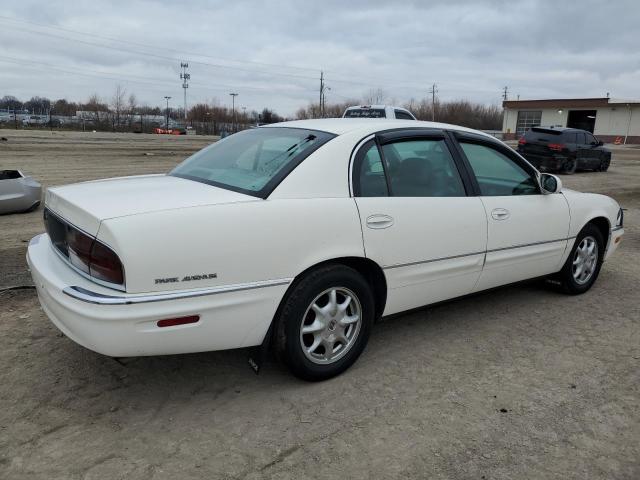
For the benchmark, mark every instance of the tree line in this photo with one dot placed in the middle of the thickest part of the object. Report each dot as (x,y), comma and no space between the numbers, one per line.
(123,112)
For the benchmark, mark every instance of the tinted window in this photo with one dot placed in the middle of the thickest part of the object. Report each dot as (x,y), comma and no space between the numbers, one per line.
(422,168)
(247,161)
(569,137)
(401,115)
(580,138)
(543,135)
(371,177)
(496,173)
(365,113)
(590,139)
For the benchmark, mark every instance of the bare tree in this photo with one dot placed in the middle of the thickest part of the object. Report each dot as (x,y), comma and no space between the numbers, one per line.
(375,96)
(95,105)
(132,105)
(118,104)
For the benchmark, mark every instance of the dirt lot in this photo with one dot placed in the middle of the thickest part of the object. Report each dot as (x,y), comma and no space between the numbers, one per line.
(517,383)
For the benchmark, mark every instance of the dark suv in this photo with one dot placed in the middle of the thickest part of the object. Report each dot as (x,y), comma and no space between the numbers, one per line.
(563,150)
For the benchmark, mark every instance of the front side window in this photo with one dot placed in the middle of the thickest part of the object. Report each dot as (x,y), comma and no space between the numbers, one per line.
(252,161)
(497,174)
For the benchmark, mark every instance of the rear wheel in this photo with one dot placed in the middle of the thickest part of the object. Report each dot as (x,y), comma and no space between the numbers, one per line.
(582,267)
(325,322)
(570,165)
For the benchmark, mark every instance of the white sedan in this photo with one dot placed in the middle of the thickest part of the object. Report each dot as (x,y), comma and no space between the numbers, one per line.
(300,235)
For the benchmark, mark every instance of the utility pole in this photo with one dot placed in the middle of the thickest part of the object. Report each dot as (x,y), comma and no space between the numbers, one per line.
(433,91)
(167,124)
(233,109)
(321,93)
(505,93)
(185,84)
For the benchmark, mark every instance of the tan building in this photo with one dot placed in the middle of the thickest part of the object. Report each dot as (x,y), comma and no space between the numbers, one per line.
(609,119)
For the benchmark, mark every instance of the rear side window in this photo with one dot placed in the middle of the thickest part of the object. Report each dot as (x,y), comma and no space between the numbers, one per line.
(371,177)
(570,137)
(497,174)
(415,168)
(422,168)
(402,115)
(365,113)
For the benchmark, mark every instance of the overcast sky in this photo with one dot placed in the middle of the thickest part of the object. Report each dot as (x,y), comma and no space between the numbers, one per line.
(271,53)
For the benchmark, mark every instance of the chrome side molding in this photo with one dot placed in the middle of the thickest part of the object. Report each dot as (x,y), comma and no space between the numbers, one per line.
(88,296)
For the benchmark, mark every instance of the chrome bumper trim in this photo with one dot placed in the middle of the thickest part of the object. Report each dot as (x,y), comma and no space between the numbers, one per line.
(88,296)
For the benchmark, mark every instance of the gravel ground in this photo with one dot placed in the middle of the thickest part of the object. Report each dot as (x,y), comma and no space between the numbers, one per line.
(520,382)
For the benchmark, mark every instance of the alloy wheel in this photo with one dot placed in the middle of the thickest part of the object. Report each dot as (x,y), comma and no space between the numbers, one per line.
(585,260)
(330,325)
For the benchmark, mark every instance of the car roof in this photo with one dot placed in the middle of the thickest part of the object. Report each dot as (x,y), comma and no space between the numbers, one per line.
(366,126)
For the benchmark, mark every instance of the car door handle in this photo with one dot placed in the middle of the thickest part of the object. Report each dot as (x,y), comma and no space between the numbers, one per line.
(378,221)
(500,214)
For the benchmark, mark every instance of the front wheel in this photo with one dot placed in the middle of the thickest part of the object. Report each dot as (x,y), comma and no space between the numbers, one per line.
(582,267)
(325,322)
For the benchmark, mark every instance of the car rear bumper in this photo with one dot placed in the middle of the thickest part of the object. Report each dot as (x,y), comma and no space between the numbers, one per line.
(126,325)
(552,163)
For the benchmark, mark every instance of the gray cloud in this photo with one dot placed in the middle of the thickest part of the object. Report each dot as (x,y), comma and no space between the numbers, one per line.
(470,48)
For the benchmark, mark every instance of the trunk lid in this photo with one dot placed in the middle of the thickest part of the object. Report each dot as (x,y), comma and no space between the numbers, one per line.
(87,204)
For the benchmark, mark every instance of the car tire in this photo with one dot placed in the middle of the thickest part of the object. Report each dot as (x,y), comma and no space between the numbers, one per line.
(583,264)
(570,165)
(318,303)
(604,165)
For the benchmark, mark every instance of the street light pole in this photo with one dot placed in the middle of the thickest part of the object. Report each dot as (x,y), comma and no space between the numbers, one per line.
(233,109)
(167,124)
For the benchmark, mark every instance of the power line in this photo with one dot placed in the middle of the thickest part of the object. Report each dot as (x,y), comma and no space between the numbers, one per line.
(128,78)
(78,32)
(198,62)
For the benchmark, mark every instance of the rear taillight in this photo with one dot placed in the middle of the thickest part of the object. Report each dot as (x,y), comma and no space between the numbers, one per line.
(105,264)
(79,249)
(556,147)
(522,141)
(83,251)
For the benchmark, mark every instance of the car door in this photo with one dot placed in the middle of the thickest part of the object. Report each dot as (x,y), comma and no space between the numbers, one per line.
(594,151)
(527,230)
(418,220)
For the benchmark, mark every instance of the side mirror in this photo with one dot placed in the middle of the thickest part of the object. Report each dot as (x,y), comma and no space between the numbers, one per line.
(550,183)
(600,143)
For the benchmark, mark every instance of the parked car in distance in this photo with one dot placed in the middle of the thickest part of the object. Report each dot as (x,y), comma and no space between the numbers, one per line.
(301,234)
(378,111)
(564,150)
(18,193)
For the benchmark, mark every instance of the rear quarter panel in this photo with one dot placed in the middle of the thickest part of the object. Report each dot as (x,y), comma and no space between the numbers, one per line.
(239,242)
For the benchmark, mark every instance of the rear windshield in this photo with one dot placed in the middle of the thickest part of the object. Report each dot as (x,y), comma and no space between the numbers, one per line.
(252,161)
(543,135)
(365,113)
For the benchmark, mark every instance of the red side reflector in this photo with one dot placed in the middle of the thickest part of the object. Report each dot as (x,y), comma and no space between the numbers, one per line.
(522,141)
(172,322)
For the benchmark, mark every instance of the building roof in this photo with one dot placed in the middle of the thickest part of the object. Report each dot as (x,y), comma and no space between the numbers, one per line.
(567,103)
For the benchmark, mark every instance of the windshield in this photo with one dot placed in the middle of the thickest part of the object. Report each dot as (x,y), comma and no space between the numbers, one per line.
(365,113)
(252,161)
